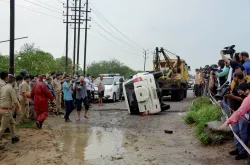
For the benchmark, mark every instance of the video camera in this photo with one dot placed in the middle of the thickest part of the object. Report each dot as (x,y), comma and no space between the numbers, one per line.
(229,50)
(222,91)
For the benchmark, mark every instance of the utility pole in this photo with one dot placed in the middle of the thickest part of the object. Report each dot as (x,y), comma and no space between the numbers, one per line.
(79,33)
(86,33)
(12,36)
(74,51)
(145,56)
(67,35)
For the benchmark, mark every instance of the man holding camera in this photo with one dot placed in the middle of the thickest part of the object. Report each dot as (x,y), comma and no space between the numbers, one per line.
(81,97)
(242,126)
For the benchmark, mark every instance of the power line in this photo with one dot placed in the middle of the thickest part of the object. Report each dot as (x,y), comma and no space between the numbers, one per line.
(112,34)
(42,6)
(114,42)
(115,32)
(33,10)
(114,26)
(49,5)
(59,1)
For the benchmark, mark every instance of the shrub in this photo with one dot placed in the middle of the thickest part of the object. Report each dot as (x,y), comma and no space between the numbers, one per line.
(199,113)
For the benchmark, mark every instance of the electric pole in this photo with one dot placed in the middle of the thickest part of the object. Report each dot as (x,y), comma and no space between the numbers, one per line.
(86,33)
(67,35)
(74,51)
(77,20)
(79,33)
(12,36)
(145,56)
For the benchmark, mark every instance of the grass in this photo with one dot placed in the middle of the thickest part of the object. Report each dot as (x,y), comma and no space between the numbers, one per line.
(31,124)
(200,113)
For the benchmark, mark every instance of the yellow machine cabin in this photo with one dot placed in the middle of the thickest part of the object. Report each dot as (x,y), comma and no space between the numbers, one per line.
(174,81)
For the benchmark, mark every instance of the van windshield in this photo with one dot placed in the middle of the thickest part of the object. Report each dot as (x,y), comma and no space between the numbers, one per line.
(108,81)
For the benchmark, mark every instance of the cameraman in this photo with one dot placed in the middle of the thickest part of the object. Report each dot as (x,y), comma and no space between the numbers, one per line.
(241,127)
(234,63)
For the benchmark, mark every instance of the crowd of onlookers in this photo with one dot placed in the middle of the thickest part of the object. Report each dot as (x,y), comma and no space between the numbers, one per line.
(234,74)
(24,98)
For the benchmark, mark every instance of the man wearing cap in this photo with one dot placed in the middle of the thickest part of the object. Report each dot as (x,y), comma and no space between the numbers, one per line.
(56,84)
(24,101)
(40,94)
(7,99)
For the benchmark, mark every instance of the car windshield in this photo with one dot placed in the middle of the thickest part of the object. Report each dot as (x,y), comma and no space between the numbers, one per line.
(106,80)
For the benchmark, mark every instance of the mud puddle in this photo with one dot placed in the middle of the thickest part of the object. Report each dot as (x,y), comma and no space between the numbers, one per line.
(92,144)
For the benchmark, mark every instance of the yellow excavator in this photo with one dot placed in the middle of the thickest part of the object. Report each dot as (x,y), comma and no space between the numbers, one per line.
(174,81)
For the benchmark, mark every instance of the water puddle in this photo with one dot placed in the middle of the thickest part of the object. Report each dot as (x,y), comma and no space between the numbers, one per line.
(91,143)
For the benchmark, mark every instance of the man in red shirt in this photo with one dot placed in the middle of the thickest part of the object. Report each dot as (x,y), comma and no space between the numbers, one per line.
(40,94)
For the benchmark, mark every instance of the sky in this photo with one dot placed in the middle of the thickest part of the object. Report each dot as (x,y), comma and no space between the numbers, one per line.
(196,30)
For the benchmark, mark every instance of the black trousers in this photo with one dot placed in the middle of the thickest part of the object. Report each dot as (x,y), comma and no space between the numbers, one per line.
(69,106)
(79,102)
(93,96)
(89,96)
(197,90)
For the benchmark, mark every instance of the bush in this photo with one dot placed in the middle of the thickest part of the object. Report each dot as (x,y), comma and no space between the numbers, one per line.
(200,113)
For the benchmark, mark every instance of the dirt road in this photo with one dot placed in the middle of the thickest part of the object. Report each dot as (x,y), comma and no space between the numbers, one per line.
(113,137)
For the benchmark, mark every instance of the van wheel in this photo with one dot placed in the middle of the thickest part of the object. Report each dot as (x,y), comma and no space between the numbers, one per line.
(114,97)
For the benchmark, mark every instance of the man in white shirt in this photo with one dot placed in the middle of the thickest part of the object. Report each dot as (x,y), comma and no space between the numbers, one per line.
(88,86)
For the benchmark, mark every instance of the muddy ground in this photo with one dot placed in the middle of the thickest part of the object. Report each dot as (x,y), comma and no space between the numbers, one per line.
(113,137)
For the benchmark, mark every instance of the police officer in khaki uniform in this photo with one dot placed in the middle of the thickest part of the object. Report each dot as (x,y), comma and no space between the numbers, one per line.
(16,113)
(24,88)
(7,100)
(3,79)
(56,84)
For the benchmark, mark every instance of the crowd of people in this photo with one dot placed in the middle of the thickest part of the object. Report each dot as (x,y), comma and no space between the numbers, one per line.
(235,72)
(24,98)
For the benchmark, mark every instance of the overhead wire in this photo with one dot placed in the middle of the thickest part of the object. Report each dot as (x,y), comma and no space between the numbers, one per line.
(114,42)
(59,1)
(112,34)
(97,11)
(42,6)
(134,47)
(33,10)
(48,5)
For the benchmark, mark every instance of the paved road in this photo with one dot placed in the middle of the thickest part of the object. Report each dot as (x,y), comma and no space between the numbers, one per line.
(175,106)
(114,137)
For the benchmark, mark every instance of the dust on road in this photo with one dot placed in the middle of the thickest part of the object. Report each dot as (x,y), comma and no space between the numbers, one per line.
(113,137)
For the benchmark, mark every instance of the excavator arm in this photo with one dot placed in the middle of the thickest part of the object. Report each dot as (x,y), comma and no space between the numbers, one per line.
(167,59)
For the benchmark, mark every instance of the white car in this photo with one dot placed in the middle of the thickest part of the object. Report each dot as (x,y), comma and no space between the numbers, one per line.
(111,83)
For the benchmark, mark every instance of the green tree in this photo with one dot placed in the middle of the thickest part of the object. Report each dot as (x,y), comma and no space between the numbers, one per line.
(4,63)
(60,65)
(110,66)
(34,60)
